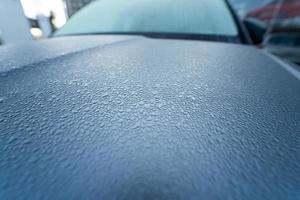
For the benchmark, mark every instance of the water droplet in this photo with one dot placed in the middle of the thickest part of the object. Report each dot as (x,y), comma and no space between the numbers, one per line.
(11,139)
(27,141)
(101,125)
(191,97)
(159,105)
(178,125)
(105,95)
(32,159)
(94,101)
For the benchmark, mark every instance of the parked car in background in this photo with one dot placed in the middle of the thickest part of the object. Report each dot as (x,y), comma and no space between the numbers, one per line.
(284,45)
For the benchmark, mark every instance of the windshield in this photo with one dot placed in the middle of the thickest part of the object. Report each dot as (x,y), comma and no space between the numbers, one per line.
(203,17)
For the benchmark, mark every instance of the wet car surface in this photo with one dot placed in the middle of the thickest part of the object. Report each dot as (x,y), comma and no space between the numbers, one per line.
(163,119)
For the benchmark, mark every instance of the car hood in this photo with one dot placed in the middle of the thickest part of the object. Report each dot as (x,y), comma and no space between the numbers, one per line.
(128,117)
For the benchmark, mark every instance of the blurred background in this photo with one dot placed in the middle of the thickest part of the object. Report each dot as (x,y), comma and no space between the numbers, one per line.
(30,20)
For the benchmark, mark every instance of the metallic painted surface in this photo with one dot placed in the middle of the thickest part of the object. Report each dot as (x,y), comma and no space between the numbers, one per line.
(138,118)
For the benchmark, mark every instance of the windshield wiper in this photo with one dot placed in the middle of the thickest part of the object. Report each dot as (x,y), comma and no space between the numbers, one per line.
(165,35)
